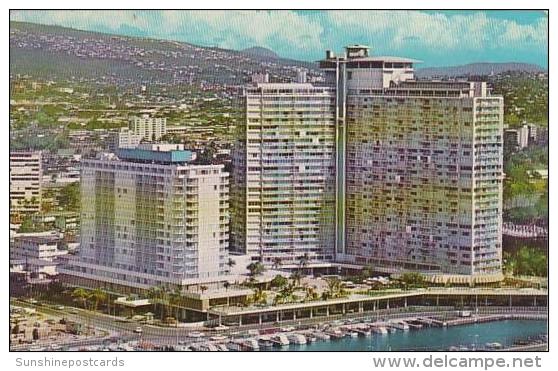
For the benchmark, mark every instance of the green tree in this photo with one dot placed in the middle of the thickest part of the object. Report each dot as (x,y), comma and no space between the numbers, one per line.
(412,279)
(27,225)
(279,281)
(528,261)
(69,197)
(303,261)
(311,293)
(285,295)
(98,296)
(296,277)
(255,269)
(259,296)
(335,288)
(82,295)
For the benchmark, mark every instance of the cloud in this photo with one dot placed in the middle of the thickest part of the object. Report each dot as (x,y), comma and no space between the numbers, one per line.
(239,29)
(83,19)
(439,31)
(438,36)
(227,29)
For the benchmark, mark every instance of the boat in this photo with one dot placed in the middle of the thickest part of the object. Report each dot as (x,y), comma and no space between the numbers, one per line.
(281,340)
(196,334)
(321,335)
(208,347)
(218,338)
(351,334)
(234,346)
(335,334)
(264,341)
(400,325)
(363,330)
(197,347)
(221,347)
(379,330)
(287,329)
(494,346)
(126,347)
(249,344)
(310,338)
(183,348)
(295,338)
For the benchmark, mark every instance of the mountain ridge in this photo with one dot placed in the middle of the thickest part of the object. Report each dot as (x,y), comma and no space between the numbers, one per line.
(478,69)
(63,52)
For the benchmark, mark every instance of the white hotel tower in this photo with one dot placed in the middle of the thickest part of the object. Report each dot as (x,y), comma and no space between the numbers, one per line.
(415,167)
(283,198)
(151,218)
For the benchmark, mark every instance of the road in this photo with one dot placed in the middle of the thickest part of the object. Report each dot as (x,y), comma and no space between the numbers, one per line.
(117,328)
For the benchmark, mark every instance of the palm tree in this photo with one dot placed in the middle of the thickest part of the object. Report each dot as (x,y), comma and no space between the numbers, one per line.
(285,295)
(231,263)
(510,264)
(81,294)
(165,292)
(335,288)
(203,288)
(311,293)
(175,297)
(226,285)
(255,268)
(277,262)
(303,261)
(98,295)
(154,296)
(259,296)
(367,271)
(296,277)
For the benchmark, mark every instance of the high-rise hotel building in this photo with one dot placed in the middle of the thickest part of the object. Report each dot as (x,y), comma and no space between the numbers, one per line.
(283,198)
(416,168)
(149,217)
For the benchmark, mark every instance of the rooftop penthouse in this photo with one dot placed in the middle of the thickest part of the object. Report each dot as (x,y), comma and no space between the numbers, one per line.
(157,153)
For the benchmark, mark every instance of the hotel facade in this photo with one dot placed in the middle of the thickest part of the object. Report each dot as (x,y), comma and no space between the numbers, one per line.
(283,204)
(151,218)
(414,167)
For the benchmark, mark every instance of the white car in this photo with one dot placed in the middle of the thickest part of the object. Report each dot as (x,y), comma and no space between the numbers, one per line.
(138,330)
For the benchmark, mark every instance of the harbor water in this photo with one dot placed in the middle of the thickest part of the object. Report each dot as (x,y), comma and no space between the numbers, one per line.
(471,337)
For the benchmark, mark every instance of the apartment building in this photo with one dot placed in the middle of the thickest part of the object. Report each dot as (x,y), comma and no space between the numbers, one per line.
(283,198)
(143,128)
(36,253)
(419,167)
(25,182)
(375,167)
(149,217)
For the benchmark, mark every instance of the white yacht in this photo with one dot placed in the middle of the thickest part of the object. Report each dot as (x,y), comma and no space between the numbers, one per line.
(281,340)
(295,338)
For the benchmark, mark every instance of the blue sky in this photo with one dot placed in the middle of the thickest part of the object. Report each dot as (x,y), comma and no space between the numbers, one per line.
(439,38)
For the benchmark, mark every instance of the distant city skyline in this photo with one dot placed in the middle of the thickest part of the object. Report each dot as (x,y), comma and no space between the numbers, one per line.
(438,38)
